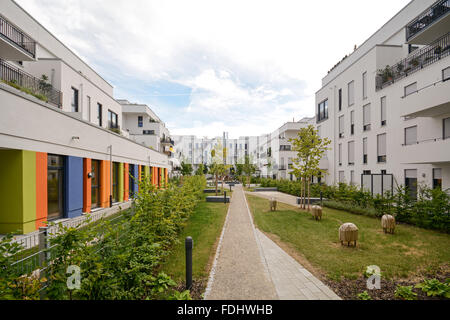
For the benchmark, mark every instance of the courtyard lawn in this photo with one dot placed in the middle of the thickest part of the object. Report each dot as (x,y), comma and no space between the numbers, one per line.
(410,252)
(204,226)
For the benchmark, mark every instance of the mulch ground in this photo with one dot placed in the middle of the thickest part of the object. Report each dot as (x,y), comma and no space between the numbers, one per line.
(198,288)
(349,289)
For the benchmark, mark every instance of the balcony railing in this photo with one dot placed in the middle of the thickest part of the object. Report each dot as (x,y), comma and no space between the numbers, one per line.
(418,60)
(17,37)
(425,141)
(427,18)
(168,141)
(39,88)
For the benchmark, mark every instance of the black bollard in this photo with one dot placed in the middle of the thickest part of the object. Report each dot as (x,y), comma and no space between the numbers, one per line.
(189,244)
(321,198)
(224,197)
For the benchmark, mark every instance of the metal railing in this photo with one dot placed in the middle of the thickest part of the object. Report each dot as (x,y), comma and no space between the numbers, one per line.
(424,141)
(27,83)
(416,61)
(17,37)
(168,141)
(427,18)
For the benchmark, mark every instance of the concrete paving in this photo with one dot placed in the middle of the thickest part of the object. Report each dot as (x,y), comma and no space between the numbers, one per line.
(250,266)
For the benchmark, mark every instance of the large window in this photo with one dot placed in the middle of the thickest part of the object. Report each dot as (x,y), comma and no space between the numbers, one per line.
(340,99)
(365,145)
(351,93)
(115,182)
(340,154)
(322,111)
(55,189)
(341,177)
(140,121)
(341,126)
(381,147)
(75,99)
(95,184)
(446,129)
(411,182)
(366,117)
(364,87)
(112,120)
(383,111)
(437,178)
(410,136)
(352,178)
(148,132)
(351,153)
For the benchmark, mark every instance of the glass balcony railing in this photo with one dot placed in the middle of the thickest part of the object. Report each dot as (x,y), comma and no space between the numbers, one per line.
(16,37)
(418,60)
(430,16)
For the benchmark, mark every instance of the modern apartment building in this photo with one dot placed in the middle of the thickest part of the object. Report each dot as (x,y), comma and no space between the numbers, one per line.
(64,150)
(145,127)
(386,107)
(271,153)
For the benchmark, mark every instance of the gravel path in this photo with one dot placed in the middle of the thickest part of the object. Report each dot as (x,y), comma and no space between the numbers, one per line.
(239,272)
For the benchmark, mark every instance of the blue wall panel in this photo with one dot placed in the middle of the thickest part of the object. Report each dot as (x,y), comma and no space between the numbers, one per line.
(73,205)
(134,173)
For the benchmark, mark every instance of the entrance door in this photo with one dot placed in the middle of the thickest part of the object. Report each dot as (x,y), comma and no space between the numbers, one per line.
(95,184)
(55,180)
(115,181)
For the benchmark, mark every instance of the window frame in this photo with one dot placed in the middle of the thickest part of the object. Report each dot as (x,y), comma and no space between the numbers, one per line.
(352,83)
(75,103)
(404,138)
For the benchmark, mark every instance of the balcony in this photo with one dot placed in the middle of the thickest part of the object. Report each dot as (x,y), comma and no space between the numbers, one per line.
(418,60)
(431,151)
(432,23)
(167,141)
(20,80)
(14,44)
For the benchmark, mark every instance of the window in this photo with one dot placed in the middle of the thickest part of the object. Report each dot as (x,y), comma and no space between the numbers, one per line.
(340,154)
(351,153)
(340,99)
(410,136)
(74,100)
(367,172)
(322,111)
(341,177)
(437,178)
(383,111)
(446,128)
(112,120)
(366,117)
(148,132)
(285,148)
(89,108)
(140,121)
(365,151)
(381,146)
(411,182)
(100,114)
(364,81)
(352,122)
(341,126)
(446,74)
(351,93)
(412,88)
(352,178)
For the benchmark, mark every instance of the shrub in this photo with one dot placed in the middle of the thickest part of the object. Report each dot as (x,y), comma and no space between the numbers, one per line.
(364,296)
(405,293)
(435,288)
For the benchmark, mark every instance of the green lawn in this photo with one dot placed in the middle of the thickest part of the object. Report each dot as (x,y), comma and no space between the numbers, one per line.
(204,226)
(411,251)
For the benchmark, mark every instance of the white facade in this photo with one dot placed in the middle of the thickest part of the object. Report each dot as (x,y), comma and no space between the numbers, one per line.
(398,128)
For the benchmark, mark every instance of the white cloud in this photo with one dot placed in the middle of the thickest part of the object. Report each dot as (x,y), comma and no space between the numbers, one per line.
(252,65)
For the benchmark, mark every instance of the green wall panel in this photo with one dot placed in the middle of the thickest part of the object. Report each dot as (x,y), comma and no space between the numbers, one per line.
(121,182)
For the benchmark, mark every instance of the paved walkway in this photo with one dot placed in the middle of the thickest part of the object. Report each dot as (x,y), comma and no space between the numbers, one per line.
(250,266)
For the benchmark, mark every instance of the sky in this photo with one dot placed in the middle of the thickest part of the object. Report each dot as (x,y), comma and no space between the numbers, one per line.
(206,66)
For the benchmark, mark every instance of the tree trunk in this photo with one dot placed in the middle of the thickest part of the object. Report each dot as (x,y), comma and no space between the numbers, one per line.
(309,195)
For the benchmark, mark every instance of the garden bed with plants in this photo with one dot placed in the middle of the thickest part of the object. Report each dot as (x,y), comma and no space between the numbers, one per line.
(118,261)
(406,258)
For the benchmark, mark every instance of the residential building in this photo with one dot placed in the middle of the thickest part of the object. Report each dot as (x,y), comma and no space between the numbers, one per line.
(63,148)
(386,107)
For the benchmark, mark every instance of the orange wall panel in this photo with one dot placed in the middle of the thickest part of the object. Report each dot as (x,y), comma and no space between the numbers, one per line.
(105,184)
(41,189)
(87,182)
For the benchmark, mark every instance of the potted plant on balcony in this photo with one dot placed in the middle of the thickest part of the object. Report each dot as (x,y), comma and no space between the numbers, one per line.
(414,62)
(386,74)
(400,68)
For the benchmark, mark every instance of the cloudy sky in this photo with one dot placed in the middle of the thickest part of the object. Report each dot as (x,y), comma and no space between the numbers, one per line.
(207,66)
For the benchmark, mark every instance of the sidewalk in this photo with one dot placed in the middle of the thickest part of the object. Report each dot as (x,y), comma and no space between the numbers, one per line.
(250,266)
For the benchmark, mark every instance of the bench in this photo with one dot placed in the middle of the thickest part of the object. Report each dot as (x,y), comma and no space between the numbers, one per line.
(265,189)
(220,199)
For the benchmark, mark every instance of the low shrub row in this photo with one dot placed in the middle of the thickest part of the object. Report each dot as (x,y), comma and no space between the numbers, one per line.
(116,260)
(430,210)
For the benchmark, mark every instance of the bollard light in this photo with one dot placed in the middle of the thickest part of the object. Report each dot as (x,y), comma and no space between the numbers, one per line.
(189,245)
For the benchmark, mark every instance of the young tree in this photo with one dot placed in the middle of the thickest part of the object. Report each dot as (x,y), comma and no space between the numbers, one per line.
(248,168)
(310,150)
(217,168)
(186,169)
(200,170)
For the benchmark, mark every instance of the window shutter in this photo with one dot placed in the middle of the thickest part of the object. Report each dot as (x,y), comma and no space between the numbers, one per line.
(437,173)
(383,109)
(411,135)
(365,146)
(412,88)
(366,114)
(351,152)
(351,93)
(341,124)
(340,153)
(446,128)
(382,145)
(411,174)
